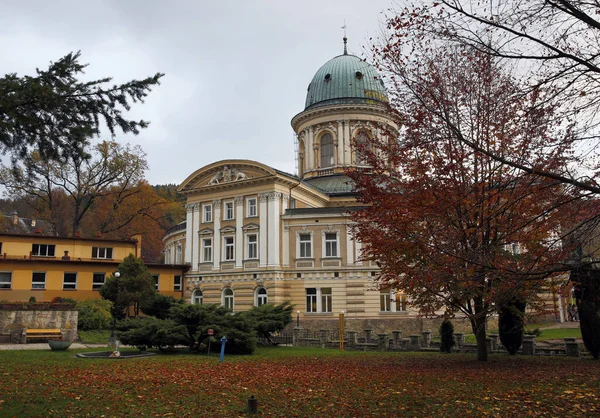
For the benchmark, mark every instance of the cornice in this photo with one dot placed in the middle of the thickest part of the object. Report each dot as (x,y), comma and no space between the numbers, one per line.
(377,110)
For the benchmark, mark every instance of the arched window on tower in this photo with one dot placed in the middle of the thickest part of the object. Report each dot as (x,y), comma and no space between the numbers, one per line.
(362,145)
(327,151)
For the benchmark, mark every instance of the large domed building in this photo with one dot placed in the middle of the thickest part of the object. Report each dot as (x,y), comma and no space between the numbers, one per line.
(255,234)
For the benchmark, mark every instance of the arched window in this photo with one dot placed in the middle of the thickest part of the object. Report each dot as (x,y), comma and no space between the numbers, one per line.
(327,151)
(362,144)
(197,297)
(228,298)
(261,296)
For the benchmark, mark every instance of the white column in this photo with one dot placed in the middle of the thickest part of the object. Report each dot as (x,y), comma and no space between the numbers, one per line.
(358,252)
(347,149)
(262,219)
(310,158)
(285,242)
(196,229)
(349,248)
(274,247)
(340,143)
(189,234)
(217,235)
(239,236)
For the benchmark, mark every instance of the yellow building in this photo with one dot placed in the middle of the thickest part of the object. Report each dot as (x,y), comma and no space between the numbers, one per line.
(45,266)
(255,234)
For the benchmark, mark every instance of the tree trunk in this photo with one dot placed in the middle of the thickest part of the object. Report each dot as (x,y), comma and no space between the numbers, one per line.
(478,322)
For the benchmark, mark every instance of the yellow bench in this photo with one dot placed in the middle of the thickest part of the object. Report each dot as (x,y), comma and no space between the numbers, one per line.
(41,334)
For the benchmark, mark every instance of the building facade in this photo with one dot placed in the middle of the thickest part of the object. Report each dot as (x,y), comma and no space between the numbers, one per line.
(46,266)
(255,235)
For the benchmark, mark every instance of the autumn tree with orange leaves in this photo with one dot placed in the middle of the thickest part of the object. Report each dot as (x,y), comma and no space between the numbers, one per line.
(459,232)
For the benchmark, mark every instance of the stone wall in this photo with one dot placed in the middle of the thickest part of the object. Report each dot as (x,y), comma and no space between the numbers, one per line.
(14,321)
(408,325)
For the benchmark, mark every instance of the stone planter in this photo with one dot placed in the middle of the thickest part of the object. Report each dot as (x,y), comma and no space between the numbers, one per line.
(12,306)
(38,305)
(59,344)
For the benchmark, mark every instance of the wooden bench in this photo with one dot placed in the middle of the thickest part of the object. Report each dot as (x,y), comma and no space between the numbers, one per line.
(41,334)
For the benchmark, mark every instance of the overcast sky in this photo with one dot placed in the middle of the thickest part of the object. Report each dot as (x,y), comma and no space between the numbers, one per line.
(236,71)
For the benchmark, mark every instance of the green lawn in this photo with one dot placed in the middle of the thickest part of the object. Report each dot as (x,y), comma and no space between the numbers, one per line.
(297,382)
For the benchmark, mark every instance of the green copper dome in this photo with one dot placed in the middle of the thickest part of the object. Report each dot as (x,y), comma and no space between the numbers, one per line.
(345,79)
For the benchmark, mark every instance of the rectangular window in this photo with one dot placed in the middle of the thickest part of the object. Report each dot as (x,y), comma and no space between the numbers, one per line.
(331,244)
(42,250)
(206,250)
(98,280)
(70,281)
(155,278)
(228,248)
(385,301)
(305,241)
(38,280)
(102,252)
(326,299)
(228,214)
(401,303)
(177,283)
(311,300)
(206,213)
(251,211)
(252,246)
(5,280)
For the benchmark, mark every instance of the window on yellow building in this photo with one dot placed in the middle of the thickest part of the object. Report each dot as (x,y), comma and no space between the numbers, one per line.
(98,280)
(43,250)
(177,283)
(155,278)
(102,252)
(70,281)
(38,280)
(5,280)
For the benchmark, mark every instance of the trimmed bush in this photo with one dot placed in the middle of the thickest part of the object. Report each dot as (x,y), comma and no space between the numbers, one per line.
(94,314)
(511,324)
(149,332)
(159,306)
(447,335)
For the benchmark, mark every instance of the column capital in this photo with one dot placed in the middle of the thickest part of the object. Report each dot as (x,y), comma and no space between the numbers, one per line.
(217,204)
(239,200)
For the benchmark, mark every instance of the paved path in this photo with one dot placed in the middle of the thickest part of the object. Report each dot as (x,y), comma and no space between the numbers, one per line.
(45,346)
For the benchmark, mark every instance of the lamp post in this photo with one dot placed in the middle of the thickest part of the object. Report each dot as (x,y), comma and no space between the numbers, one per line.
(113,334)
(298,319)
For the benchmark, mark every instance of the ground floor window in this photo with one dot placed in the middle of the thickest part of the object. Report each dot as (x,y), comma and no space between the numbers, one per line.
(177,283)
(319,299)
(392,301)
(5,280)
(197,297)
(228,298)
(261,296)
(70,281)
(38,280)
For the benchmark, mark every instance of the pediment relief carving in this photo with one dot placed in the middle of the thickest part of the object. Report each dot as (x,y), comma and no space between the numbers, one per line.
(206,231)
(227,175)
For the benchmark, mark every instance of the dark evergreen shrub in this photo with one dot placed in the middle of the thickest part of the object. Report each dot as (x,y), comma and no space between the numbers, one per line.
(447,334)
(511,325)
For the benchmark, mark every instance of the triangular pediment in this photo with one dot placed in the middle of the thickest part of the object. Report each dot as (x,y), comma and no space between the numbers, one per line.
(226,173)
(250,227)
(206,231)
(227,229)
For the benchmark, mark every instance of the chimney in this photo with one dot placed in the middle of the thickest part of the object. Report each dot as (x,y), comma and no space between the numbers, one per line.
(77,233)
(66,256)
(15,218)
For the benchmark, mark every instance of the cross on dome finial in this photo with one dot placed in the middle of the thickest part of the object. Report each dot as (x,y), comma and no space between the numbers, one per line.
(345,38)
